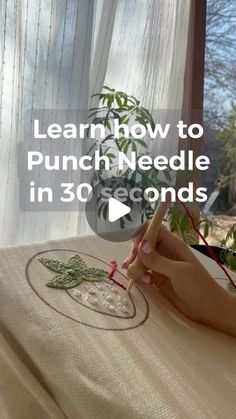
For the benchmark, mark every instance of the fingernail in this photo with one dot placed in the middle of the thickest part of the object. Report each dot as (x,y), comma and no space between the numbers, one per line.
(147,279)
(145,247)
(124,264)
(152,280)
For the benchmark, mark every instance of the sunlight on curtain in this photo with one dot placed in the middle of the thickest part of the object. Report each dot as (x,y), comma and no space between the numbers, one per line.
(138,46)
(147,58)
(45,58)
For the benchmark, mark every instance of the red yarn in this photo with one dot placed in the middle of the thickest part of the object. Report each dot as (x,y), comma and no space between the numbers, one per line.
(114,266)
(209,248)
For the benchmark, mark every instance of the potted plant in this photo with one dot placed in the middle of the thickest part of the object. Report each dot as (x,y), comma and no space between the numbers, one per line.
(127,109)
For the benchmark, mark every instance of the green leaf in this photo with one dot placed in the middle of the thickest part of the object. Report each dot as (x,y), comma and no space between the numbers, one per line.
(126,146)
(54,265)
(134,147)
(133,100)
(124,119)
(65,281)
(108,137)
(108,125)
(100,209)
(108,88)
(141,142)
(94,113)
(128,217)
(111,156)
(119,101)
(98,121)
(105,211)
(110,101)
(76,263)
(122,223)
(122,142)
(116,114)
(122,94)
(101,95)
(95,275)
(74,272)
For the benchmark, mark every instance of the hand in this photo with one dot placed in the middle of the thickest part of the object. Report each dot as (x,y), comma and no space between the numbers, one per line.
(184,281)
(134,245)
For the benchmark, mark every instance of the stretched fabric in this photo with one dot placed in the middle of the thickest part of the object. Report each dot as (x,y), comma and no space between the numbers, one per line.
(60,358)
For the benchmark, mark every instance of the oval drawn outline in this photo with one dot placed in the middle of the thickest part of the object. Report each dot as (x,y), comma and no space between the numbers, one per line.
(71,318)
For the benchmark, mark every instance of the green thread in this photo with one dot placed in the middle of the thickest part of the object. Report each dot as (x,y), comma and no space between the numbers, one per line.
(72,273)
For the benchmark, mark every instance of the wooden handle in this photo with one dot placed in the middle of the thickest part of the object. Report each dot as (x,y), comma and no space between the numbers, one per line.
(136,270)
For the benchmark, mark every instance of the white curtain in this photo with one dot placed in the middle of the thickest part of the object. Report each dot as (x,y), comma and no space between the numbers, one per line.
(55,54)
(147,58)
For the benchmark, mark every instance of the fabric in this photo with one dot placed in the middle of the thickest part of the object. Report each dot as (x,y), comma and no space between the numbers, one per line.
(151,47)
(138,46)
(59,358)
(45,48)
(21,394)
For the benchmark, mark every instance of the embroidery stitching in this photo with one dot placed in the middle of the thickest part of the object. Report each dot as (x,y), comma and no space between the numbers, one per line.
(72,273)
(107,328)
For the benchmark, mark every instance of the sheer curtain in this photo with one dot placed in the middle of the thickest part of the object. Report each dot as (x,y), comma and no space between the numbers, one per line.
(56,54)
(148,55)
(45,48)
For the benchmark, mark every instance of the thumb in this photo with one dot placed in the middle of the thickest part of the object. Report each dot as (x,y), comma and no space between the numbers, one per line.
(154,261)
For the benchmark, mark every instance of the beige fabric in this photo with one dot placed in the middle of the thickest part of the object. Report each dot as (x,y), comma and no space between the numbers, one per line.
(52,366)
(21,393)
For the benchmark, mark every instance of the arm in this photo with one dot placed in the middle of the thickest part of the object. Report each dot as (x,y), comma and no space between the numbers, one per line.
(184,281)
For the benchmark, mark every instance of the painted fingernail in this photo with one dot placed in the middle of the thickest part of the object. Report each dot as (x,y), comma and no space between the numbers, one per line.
(145,247)
(124,264)
(152,280)
(147,279)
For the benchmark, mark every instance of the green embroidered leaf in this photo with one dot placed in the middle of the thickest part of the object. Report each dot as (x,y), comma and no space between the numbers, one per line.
(54,265)
(76,263)
(64,281)
(73,273)
(93,274)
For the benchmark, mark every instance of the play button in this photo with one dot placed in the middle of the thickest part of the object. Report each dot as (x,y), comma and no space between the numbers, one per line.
(116,210)
(111,210)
